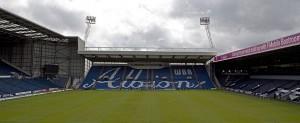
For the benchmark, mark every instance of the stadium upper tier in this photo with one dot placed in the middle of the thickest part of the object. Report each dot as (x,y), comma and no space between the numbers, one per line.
(125,77)
(133,54)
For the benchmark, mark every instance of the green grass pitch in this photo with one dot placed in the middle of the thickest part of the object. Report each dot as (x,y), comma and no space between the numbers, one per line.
(147,107)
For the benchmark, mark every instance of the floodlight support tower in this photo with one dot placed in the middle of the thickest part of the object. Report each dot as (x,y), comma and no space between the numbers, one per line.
(205,21)
(89,21)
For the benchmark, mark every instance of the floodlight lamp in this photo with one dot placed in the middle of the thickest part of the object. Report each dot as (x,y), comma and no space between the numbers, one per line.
(90,19)
(204,21)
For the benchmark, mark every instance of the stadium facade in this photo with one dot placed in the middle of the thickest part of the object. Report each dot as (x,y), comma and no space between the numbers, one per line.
(30,47)
(35,59)
(30,53)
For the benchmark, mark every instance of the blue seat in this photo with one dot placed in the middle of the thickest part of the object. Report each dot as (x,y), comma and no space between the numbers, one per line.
(174,77)
(109,78)
(162,78)
(13,85)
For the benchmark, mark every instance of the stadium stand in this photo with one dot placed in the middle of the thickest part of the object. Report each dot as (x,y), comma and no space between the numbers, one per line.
(126,77)
(268,70)
(269,88)
(14,83)
(7,70)
(35,60)
(162,78)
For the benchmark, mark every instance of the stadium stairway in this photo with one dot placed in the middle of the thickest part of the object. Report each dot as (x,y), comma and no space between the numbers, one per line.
(7,68)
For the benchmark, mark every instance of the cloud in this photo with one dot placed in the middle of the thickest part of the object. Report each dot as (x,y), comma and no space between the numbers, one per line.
(237,24)
(154,36)
(166,23)
(57,17)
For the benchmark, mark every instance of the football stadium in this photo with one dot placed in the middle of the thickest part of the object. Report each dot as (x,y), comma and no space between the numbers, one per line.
(46,77)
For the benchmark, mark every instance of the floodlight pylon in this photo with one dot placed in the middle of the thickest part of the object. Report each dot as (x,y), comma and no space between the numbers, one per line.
(205,21)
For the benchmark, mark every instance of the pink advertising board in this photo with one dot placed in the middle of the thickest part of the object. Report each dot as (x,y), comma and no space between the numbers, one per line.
(283,42)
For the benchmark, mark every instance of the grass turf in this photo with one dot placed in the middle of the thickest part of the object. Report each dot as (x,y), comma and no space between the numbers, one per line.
(147,107)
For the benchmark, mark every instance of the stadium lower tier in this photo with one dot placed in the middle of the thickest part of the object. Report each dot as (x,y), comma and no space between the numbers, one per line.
(125,77)
(269,88)
(16,87)
(14,83)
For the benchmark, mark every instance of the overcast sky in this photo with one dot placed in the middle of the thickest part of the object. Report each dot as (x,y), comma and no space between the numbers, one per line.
(235,24)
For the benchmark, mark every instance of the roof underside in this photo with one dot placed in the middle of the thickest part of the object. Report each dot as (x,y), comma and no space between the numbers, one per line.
(170,56)
(289,55)
(23,28)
